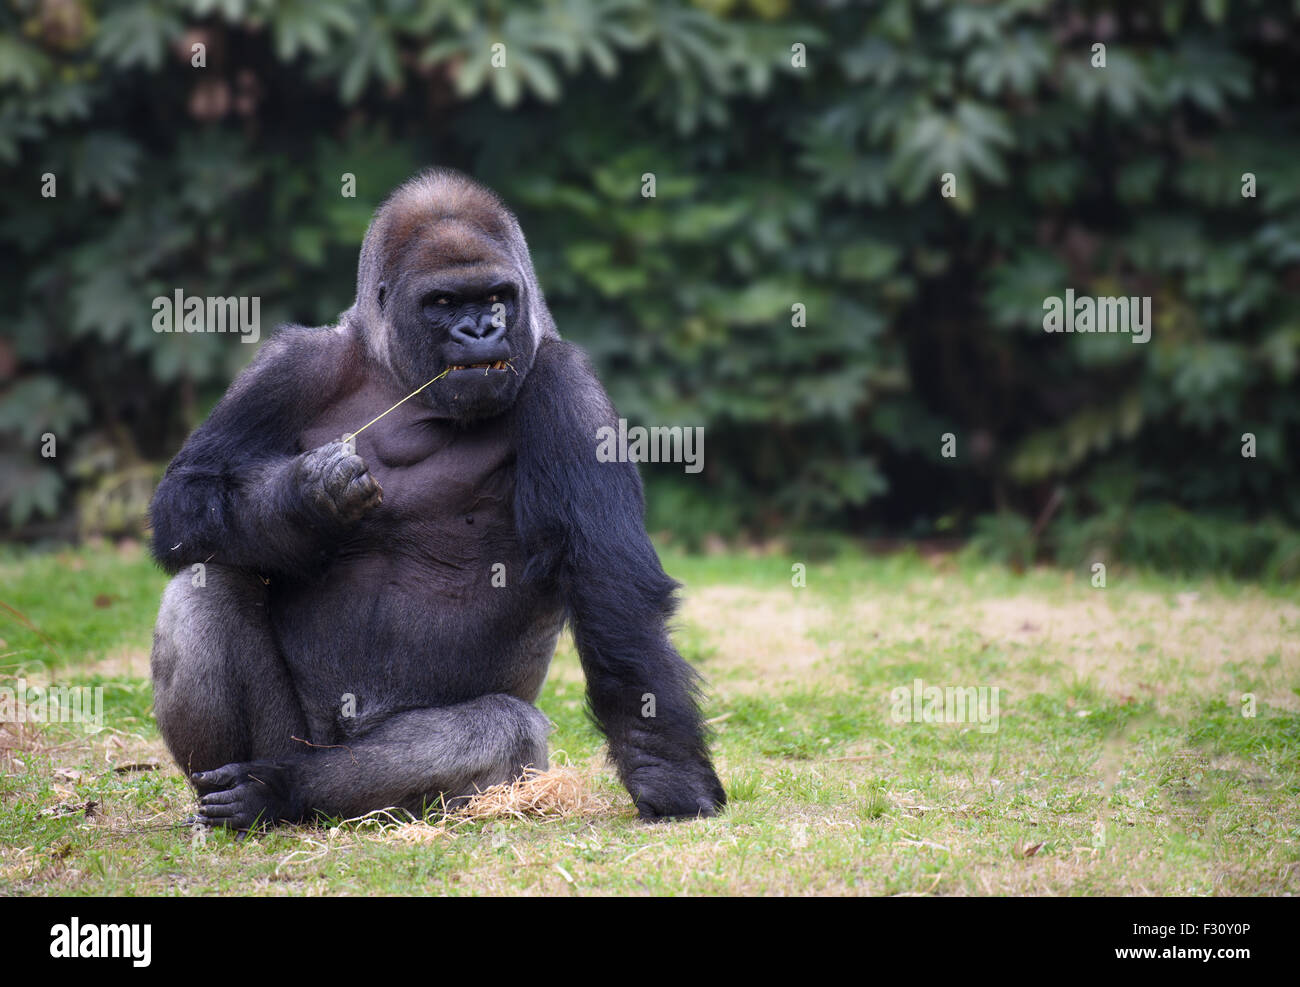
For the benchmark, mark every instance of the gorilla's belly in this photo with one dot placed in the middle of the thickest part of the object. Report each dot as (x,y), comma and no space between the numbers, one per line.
(374,635)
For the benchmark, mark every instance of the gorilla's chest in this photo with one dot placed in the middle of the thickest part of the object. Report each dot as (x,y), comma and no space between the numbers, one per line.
(422,598)
(440,480)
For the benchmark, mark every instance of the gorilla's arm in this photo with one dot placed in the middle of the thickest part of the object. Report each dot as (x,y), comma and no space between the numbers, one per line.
(582,523)
(240,492)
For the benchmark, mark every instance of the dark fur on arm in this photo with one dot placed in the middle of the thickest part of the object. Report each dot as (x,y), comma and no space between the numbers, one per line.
(582,522)
(231,495)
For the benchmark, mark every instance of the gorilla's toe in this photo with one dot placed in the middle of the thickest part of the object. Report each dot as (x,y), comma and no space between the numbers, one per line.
(237,808)
(244,796)
(218,778)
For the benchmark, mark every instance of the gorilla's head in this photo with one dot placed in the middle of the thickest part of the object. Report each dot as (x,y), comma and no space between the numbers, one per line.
(445,281)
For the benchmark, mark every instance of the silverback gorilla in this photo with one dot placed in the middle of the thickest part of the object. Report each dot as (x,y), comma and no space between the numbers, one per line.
(350,645)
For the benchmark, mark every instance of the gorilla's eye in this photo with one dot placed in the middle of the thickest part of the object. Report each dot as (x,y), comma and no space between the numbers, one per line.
(434,302)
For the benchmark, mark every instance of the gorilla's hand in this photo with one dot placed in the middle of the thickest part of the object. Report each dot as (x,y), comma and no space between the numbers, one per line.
(247,795)
(337,482)
(675,790)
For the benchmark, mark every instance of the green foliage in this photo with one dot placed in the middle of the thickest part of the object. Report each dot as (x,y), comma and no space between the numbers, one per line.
(1169,538)
(780,189)
(1005,538)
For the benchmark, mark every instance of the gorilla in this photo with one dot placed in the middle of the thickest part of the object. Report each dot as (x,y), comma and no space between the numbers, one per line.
(364,622)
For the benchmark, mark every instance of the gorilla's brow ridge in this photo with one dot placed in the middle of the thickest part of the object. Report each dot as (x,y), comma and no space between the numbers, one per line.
(414,231)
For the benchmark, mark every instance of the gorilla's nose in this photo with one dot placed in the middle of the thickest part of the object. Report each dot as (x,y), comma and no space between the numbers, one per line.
(477,332)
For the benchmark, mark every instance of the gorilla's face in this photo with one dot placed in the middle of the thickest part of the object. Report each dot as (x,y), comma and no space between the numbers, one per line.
(457,305)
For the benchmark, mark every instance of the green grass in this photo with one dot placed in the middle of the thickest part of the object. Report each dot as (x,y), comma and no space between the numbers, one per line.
(1121,762)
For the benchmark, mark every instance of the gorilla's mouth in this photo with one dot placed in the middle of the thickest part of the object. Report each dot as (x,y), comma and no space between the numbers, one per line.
(497,365)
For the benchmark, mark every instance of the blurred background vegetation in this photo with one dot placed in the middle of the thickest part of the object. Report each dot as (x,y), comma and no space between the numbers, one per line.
(777,185)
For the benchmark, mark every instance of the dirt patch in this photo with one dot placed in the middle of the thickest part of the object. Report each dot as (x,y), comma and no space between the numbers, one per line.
(765,638)
(1149,640)
(122,663)
(1122,643)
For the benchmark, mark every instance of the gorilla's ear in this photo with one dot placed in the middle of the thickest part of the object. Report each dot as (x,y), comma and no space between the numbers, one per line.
(383,290)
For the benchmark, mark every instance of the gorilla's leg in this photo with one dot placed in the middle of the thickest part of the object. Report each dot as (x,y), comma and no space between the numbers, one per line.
(226,706)
(221,691)
(411,760)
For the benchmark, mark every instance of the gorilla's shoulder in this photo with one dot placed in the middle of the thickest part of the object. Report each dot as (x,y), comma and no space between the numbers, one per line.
(562,387)
(302,357)
(295,343)
(559,363)
(554,354)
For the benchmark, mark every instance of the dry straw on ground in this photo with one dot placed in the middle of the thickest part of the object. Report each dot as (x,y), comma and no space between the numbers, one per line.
(560,793)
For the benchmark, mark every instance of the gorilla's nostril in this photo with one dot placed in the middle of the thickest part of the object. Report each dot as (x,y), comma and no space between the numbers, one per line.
(477,332)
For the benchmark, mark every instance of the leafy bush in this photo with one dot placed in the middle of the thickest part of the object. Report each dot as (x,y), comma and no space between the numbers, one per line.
(779,189)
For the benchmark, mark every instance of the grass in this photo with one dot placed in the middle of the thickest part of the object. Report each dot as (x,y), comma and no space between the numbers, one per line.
(1122,762)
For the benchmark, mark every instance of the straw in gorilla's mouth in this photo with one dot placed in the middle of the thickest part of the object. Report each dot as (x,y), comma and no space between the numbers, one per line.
(485,367)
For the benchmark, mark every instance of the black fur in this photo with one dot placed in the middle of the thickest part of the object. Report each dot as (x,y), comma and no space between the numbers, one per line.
(581,522)
(343,647)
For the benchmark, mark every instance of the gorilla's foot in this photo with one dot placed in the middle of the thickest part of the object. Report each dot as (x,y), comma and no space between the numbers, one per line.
(252,794)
